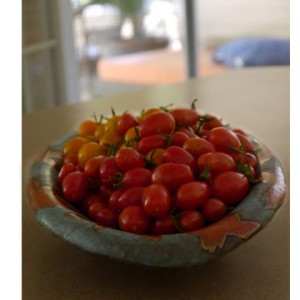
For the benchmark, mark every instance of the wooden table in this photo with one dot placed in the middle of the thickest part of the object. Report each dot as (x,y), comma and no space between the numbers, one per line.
(253,99)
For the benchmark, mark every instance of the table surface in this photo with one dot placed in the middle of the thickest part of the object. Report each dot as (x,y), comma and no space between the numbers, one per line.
(254,99)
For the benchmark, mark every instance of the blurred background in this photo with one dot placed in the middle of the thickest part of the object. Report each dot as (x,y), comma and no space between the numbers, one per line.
(78,50)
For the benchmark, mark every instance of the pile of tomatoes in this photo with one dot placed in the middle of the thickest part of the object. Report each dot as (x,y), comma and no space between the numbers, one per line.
(165,171)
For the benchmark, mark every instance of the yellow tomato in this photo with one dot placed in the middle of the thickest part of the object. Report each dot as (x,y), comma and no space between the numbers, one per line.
(112,124)
(100,130)
(88,151)
(133,133)
(110,139)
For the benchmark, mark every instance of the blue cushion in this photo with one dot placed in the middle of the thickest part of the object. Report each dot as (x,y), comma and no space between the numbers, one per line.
(253,52)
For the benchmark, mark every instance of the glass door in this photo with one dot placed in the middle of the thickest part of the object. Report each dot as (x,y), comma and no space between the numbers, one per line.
(49,73)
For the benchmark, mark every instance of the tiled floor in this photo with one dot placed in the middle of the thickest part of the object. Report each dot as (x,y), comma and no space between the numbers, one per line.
(123,73)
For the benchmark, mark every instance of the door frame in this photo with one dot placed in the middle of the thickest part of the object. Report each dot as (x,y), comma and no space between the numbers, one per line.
(65,67)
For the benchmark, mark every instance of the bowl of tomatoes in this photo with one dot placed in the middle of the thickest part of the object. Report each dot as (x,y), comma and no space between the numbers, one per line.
(167,187)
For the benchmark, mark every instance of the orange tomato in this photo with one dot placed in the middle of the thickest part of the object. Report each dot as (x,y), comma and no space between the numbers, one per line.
(73,145)
(87,128)
(155,156)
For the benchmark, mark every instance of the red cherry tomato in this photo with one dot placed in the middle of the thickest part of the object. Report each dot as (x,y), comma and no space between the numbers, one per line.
(71,158)
(240,131)
(198,146)
(185,116)
(130,173)
(190,220)
(134,219)
(230,187)
(132,196)
(152,142)
(218,162)
(88,200)
(163,225)
(109,171)
(103,216)
(105,192)
(188,131)
(75,186)
(138,177)
(157,123)
(66,169)
(245,142)
(245,158)
(203,133)
(92,166)
(113,201)
(172,175)
(156,200)
(125,122)
(192,195)
(149,111)
(178,138)
(175,154)
(223,139)
(128,158)
(213,210)
(212,122)
(253,173)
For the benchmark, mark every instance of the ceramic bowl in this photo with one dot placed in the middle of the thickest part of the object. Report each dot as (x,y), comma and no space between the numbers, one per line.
(252,215)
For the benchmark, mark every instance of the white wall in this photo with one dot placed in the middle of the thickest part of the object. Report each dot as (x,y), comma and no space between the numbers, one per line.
(219,20)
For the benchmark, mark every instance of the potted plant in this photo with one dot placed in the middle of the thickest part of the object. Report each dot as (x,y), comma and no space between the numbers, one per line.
(132,9)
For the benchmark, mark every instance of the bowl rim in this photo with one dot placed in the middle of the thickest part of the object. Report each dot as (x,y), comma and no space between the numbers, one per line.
(248,218)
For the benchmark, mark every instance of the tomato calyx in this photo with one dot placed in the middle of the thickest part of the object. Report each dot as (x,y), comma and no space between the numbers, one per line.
(205,174)
(167,136)
(245,169)
(193,105)
(241,149)
(201,121)
(112,149)
(175,217)
(129,143)
(149,161)
(167,107)
(113,112)
(138,136)
(118,180)
(98,122)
